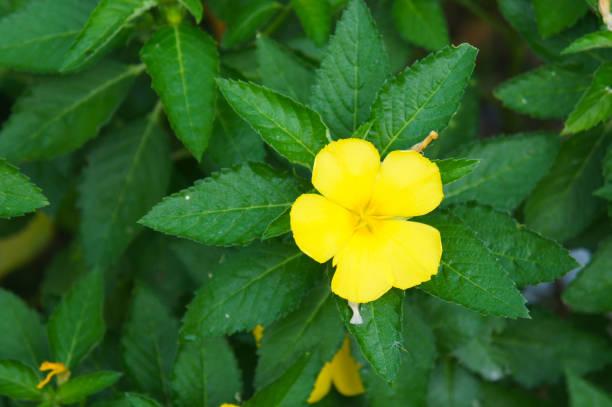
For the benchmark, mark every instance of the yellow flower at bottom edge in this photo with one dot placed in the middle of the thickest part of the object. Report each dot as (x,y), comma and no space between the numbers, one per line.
(342,371)
(360,218)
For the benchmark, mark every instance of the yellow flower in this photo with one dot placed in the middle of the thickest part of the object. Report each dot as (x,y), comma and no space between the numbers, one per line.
(258,333)
(55,369)
(342,371)
(360,218)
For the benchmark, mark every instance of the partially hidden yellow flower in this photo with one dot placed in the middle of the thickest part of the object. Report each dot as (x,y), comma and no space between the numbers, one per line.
(258,333)
(55,369)
(342,371)
(360,218)
(229,405)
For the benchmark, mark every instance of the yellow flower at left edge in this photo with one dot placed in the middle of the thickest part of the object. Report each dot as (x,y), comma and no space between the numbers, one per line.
(361,218)
(55,369)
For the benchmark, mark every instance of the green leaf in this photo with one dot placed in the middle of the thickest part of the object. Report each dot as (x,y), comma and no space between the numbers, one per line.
(199,260)
(194,7)
(470,274)
(353,69)
(282,71)
(423,98)
(23,337)
(28,45)
(116,192)
(278,227)
(246,18)
(527,257)
(380,335)
(61,114)
(316,18)
(595,105)
(596,40)
(538,351)
(584,394)
(77,326)
(313,327)
(452,385)
(229,208)
(80,387)
(205,374)
(503,395)
(563,204)
(138,400)
(293,130)
(452,169)
(590,291)
(549,92)
(107,20)
(255,285)
(18,381)
(232,141)
(292,388)
(18,195)
(509,168)
(553,16)
(149,344)
(183,63)
(421,22)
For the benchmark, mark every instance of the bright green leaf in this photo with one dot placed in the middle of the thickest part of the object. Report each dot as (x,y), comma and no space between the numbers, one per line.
(595,40)
(80,387)
(61,114)
(316,18)
(293,130)
(255,285)
(584,394)
(452,169)
(183,63)
(353,69)
(229,208)
(18,195)
(194,7)
(423,98)
(77,326)
(555,15)
(278,227)
(19,381)
(595,106)
(421,22)
(245,18)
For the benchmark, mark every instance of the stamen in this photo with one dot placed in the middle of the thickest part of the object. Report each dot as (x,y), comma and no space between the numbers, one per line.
(419,147)
(356,319)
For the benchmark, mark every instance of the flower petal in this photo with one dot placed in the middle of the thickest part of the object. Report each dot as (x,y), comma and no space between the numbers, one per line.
(408,184)
(345,371)
(390,253)
(345,170)
(320,227)
(322,384)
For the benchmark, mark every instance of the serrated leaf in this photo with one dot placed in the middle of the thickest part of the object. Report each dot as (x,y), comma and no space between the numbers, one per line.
(149,343)
(232,207)
(77,326)
(555,15)
(316,18)
(283,71)
(18,381)
(61,114)
(421,22)
(527,257)
(353,69)
(423,98)
(590,291)
(18,195)
(245,19)
(584,394)
(380,335)
(562,205)
(452,385)
(549,92)
(595,105)
(23,337)
(293,130)
(470,275)
(509,168)
(538,351)
(595,40)
(107,20)
(183,63)
(116,192)
(452,169)
(80,387)
(292,388)
(205,374)
(255,285)
(194,7)
(313,327)
(28,45)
